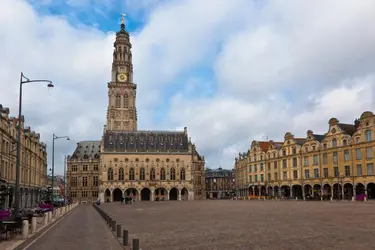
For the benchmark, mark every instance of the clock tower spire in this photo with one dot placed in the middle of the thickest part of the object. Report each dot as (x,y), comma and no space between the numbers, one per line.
(122,112)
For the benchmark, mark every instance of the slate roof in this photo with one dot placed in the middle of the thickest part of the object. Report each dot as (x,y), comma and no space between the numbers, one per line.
(319,138)
(87,150)
(347,128)
(146,141)
(300,141)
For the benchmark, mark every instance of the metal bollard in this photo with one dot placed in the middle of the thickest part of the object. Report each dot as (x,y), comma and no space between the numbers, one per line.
(113,225)
(125,237)
(118,231)
(135,244)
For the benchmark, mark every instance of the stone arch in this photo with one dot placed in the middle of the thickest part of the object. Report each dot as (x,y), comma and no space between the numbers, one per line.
(276,191)
(371,190)
(173,194)
(133,193)
(285,191)
(360,188)
(297,191)
(117,194)
(145,194)
(161,194)
(184,194)
(327,191)
(348,191)
(307,189)
(107,195)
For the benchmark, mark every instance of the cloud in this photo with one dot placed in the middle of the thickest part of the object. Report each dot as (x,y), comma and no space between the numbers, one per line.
(231,71)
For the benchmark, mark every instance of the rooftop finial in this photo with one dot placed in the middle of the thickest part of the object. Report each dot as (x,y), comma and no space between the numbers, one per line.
(123,18)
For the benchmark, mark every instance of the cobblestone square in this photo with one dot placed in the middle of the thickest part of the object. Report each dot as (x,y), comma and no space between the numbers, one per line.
(228,224)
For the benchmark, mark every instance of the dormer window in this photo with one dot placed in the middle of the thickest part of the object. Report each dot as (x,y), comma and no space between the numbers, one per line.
(85,156)
(344,142)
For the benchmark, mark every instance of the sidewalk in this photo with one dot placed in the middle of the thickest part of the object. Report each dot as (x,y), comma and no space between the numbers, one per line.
(81,229)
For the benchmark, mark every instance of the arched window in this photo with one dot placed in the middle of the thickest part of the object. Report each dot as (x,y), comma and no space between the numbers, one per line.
(334,142)
(126,101)
(173,174)
(162,174)
(118,101)
(110,174)
(131,174)
(368,135)
(152,174)
(142,174)
(182,174)
(121,174)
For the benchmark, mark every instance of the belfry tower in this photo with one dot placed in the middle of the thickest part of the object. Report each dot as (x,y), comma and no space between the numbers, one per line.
(122,112)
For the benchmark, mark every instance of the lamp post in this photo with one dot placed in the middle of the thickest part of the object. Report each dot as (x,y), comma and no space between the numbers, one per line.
(23,80)
(55,137)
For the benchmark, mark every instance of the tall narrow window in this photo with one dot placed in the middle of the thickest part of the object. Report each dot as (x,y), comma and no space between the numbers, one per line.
(182,174)
(110,174)
(118,101)
(334,142)
(126,100)
(152,174)
(131,174)
(162,174)
(173,174)
(142,174)
(368,135)
(121,174)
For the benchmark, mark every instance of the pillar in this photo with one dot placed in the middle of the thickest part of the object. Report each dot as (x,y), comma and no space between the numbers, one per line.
(303,192)
(152,195)
(331,192)
(179,195)
(291,191)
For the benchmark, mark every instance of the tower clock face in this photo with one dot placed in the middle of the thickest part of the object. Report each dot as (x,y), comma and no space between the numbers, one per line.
(122,77)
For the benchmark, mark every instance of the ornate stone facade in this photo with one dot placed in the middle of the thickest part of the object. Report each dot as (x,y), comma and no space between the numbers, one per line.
(338,164)
(33,161)
(146,165)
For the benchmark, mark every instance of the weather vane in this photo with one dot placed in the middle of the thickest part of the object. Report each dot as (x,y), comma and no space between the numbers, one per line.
(123,18)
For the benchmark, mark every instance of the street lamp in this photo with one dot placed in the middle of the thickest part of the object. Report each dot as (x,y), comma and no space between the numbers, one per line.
(55,137)
(23,80)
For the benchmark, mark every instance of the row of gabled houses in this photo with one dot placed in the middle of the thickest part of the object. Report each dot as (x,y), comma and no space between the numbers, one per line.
(338,164)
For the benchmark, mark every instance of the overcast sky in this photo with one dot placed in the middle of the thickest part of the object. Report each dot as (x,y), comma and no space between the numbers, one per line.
(231,71)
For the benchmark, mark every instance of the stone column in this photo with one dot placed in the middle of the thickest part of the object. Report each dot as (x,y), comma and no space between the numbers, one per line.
(331,192)
(354,193)
(152,195)
(179,194)
(303,192)
(291,191)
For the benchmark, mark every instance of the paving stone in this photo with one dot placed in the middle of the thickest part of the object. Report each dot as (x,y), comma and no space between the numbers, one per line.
(229,224)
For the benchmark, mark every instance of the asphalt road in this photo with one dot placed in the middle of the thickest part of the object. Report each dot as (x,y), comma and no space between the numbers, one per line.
(82,229)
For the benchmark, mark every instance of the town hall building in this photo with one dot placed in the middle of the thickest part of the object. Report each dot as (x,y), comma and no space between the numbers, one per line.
(146,165)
